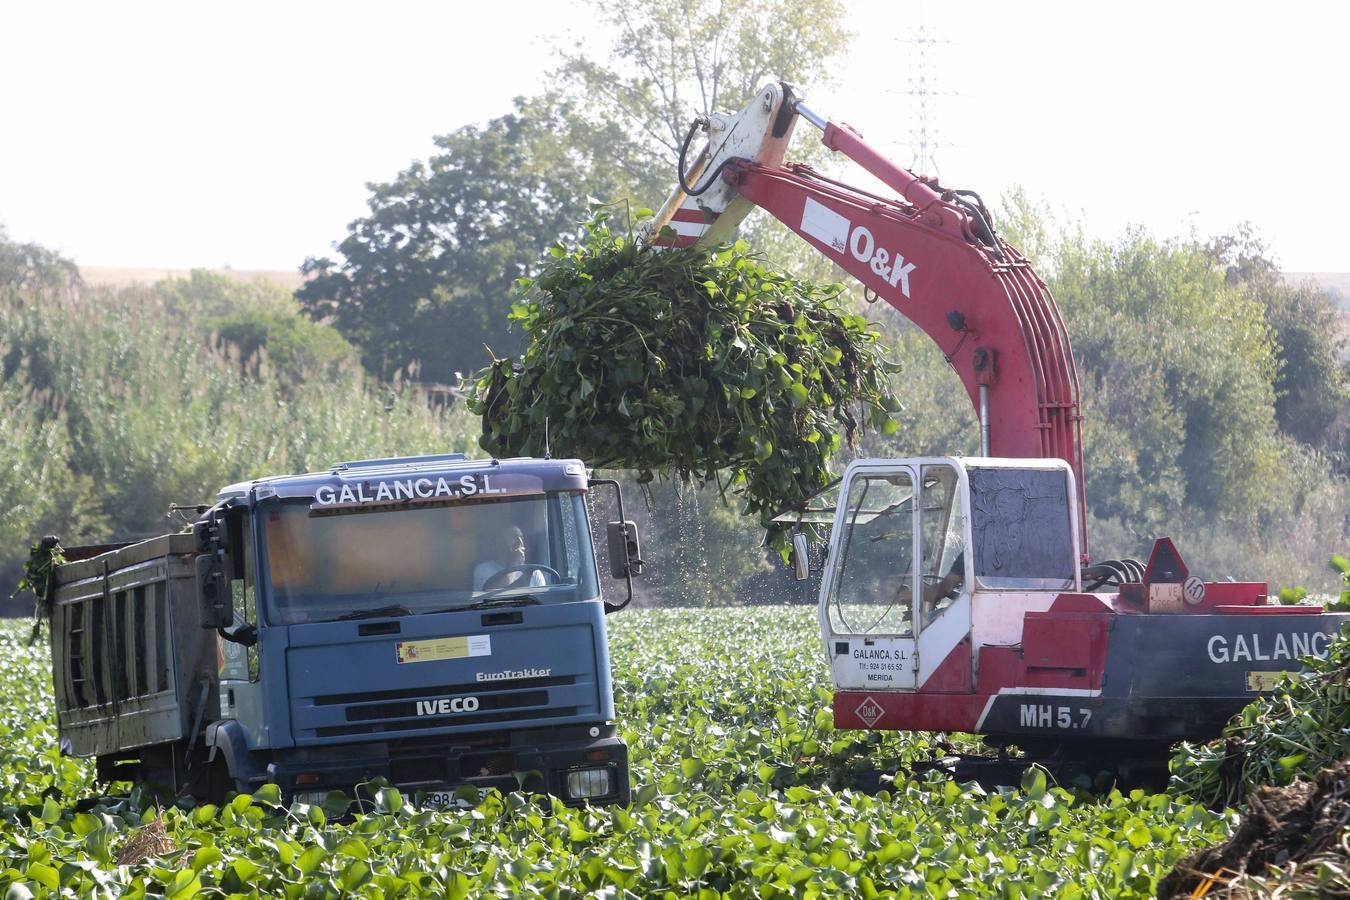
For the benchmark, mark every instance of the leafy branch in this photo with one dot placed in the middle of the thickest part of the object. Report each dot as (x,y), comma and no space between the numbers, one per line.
(698,362)
(43,557)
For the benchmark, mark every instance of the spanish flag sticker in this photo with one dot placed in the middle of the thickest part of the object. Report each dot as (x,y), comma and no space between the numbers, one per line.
(444,648)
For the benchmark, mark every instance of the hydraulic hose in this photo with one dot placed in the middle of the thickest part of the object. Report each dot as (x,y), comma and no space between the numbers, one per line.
(684,151)
(985,222)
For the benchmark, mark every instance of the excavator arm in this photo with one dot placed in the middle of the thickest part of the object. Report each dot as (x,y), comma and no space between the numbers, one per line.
(930,253)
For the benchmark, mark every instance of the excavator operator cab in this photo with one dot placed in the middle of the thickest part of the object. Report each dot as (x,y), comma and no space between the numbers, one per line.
(920,548)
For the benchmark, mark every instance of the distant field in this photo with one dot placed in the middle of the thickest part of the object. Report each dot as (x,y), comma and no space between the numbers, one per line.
(106,275)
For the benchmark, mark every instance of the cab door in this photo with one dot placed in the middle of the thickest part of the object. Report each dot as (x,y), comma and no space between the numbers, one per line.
(868,589)
(895,597)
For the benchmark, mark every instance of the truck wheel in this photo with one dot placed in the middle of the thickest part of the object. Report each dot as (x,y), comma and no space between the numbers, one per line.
(220,784)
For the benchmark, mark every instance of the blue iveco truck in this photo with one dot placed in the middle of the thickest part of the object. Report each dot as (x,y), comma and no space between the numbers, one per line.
(433,621)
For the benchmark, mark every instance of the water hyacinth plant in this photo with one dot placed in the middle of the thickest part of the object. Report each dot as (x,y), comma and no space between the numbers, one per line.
(705,363)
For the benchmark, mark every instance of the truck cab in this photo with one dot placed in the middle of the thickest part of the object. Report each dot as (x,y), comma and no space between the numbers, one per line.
(436,622)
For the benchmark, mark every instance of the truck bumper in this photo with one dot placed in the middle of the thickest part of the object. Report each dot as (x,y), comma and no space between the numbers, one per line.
(568,763)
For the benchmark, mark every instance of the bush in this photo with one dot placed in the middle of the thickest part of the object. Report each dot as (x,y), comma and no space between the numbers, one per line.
(115,404)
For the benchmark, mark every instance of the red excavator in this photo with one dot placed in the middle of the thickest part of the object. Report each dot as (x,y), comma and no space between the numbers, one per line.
(957,594)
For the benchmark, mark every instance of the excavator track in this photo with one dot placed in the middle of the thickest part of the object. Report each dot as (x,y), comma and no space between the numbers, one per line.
(1092,767)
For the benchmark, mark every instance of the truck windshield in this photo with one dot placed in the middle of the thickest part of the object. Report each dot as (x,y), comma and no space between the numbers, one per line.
(407,561)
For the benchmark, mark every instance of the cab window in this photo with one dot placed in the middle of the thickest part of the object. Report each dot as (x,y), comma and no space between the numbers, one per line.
(1021,528)
(873,573)
(942,527)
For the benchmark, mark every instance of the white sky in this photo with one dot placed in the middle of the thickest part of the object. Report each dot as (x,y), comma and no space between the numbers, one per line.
(184,134)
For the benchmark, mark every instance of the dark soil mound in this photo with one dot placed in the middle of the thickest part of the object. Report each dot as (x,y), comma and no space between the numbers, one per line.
(1282,826)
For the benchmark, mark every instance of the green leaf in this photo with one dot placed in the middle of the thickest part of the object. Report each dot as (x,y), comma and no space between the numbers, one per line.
(51,811)
(185,884)
(204,857)
(44,875)
(309,860)
(645,794)
(1138,835)
(268,794)
(390,800)
(354,875)
(243,869)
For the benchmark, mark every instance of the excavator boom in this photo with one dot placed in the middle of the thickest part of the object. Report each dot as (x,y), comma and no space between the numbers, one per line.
(928,252)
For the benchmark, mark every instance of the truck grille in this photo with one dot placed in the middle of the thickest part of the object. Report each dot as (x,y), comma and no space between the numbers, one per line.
(440,721)
(478,688)
(404,709)
(408,709)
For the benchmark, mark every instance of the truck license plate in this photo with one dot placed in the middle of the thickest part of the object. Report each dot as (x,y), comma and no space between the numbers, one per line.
(444,798)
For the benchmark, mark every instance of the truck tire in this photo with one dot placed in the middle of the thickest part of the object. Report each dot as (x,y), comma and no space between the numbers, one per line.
(221,784)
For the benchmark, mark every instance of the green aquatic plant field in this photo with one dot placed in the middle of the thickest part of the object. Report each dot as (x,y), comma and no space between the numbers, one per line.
(742,789)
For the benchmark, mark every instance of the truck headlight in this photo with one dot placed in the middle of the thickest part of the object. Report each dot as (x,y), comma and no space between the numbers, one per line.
(586,784)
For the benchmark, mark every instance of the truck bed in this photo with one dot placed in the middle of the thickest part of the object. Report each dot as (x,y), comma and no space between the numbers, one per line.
(131,665)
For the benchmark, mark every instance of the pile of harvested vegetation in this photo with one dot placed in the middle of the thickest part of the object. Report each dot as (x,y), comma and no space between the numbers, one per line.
(702,363)
(1300,729)
(1302,830)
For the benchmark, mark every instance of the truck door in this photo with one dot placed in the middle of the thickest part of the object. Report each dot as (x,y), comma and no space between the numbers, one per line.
(239,662)
(895,599)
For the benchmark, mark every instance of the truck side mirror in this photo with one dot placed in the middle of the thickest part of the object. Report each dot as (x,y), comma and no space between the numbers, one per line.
(625,560)
(801,559)
(217,606)
(213,582)
(624,555)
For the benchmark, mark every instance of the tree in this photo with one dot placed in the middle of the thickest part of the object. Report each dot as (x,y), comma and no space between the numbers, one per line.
(1312,387)
(428,274)
(34,267)
(672,61)
(1183,361)
(30,276)
(258,320)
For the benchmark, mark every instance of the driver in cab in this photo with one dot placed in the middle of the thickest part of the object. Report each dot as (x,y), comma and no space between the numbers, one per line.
(507,567)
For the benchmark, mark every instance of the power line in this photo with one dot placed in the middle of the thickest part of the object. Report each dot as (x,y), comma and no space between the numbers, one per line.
(925,137)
